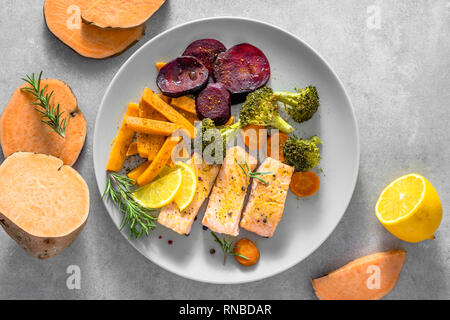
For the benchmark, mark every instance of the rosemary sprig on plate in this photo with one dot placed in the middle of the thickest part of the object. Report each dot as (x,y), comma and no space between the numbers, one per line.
(50,114)
(249,174)
(137,217)
(227,248)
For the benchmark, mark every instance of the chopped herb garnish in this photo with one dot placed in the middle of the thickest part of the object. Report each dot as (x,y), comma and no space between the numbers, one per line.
(249,174)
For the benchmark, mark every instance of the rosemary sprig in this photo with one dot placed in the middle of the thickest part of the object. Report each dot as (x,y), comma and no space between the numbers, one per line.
(249,174)
(50,114)
(227,248)
(137,217)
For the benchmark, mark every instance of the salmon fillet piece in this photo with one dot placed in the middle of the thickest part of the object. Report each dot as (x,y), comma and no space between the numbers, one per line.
(266,202)
(227,197)
(181,222)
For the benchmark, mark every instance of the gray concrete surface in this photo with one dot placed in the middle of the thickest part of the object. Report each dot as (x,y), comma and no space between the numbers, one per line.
(397,77)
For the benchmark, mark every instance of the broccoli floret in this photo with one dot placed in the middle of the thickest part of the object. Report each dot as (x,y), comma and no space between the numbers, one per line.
(207,124)
(261,108)
(301,105)
(227,133)
(304,155)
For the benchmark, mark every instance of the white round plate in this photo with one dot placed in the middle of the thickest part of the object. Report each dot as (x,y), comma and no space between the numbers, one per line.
(306,224)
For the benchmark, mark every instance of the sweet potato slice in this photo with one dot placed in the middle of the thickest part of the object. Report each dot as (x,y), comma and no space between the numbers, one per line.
(367,278)
(21,128)
(63,18)
(44,204)
(120,13)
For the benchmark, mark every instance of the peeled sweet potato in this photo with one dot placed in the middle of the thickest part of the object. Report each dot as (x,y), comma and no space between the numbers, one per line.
(63,18)
(44,204)
(122,141)
(367,278)
(21,128)
(120,13)
(149,144)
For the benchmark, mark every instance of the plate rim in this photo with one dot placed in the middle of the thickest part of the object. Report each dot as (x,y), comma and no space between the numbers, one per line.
(266,24)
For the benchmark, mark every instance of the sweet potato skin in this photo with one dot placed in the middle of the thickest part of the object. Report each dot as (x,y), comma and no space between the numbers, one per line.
(39,247)
(29,225)
(21,128)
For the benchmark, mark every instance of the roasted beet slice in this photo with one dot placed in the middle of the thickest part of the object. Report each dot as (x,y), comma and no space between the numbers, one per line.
(205,50)
(182,76)
(242,69)
(214,103)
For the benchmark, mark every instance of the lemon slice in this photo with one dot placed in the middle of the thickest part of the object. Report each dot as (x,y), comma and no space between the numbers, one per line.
(160,192)
(410,208)
(188,188)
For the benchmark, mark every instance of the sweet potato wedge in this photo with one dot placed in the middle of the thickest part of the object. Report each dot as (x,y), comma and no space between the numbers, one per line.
(189,116)
(136,172)
(149,144)
(21,128)
(63,19)
(185,103)
(161,159)
(132,149)
(367,278)
(44,204)
(159,65)
(167,111)
(150,126)
(120,13)
(122,141)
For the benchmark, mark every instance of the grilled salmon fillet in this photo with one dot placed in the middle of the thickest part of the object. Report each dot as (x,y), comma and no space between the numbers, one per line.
(227,197)
(181,222)
(266,202)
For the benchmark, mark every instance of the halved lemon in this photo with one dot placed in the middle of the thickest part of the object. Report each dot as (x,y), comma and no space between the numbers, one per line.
(188,188)
(410,208)
(160,192)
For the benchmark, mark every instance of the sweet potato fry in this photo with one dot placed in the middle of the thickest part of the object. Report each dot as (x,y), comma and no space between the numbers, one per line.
(136,172)
(185,103)
(122,142)
(167,111)
(149,144)
(161,159)
(150,126)
(132,149)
